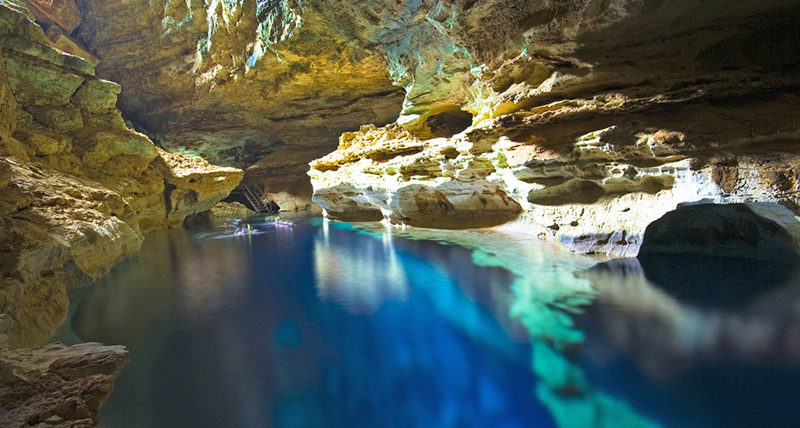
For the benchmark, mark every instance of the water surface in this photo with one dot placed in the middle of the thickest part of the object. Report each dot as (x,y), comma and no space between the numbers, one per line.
(321,325)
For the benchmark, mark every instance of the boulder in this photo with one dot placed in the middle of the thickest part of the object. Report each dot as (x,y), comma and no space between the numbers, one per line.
(719,230)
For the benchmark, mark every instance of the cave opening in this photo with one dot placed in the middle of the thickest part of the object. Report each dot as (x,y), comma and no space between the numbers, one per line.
(449,123)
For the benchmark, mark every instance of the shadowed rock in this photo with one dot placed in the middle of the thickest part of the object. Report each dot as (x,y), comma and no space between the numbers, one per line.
(57,385)
(715,230)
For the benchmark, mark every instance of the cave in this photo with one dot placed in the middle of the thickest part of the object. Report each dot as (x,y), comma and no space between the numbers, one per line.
(448,123)
(477,213)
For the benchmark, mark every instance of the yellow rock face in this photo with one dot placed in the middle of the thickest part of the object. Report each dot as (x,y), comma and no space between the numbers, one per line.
(77,187)
(379,172)
(568,171)
(233,81)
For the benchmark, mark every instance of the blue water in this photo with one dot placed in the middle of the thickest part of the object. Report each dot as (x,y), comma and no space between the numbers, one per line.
(297,327)
(321,325)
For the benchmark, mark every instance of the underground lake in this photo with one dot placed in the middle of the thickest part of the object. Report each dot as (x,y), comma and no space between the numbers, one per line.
(493,213)
(325,324)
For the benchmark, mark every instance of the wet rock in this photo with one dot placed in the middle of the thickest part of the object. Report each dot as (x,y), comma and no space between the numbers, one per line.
(732,230)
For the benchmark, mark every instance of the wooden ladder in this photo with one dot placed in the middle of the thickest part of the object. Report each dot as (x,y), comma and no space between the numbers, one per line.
(255,196)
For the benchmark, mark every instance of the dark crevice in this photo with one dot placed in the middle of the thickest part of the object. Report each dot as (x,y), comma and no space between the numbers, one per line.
(168,189)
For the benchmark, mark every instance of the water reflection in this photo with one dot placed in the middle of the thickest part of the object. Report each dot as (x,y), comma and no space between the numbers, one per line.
(732,362)
(358,273)
(546,296)
(233,332)
(324,325)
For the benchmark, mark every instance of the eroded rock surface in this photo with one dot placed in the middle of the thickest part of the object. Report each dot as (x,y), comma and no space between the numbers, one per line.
(387,171)
(596,118)
(623,107)
(56,385)
(78,188)
(732,231)
(234,81)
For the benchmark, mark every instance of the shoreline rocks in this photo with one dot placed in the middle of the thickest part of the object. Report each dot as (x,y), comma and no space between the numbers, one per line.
(55,385)
(78,188)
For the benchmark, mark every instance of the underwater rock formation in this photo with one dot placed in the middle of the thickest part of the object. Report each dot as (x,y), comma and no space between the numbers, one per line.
(78,188)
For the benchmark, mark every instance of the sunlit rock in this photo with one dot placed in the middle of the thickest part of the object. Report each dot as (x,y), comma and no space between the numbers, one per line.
(420,183)
(593,192)
(79,187)
(233,81)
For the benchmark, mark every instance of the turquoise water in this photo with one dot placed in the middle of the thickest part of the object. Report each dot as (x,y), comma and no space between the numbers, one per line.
(323,325)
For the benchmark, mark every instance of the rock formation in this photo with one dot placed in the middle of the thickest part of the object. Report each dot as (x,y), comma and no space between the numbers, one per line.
(587,120)
(574,110)
(57,386)
(593,118)
(234,81)
(728,231)
(78,188)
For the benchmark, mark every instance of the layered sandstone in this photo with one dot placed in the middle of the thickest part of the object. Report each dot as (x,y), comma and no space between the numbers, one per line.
(595,118)
(78,188)
(574,92)
(56,385)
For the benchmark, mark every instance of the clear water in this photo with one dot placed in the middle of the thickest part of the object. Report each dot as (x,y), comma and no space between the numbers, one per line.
(321,325)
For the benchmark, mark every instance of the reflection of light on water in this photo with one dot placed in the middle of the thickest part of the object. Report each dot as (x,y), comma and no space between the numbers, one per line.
(547,295)
(208,285)
(340,272)
(683,334)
